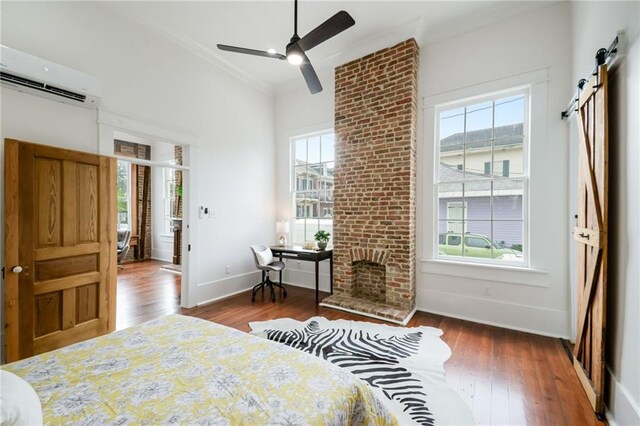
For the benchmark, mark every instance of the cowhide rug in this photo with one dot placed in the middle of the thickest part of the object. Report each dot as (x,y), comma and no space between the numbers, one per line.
(403,366)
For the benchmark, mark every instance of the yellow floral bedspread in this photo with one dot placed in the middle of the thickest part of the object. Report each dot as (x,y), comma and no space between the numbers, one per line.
(184,370)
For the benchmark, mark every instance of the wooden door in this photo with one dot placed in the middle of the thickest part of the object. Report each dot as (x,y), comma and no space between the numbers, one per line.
(60,228)
(591,236)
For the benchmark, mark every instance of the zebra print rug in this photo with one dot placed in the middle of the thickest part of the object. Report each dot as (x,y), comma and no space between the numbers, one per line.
(403,366)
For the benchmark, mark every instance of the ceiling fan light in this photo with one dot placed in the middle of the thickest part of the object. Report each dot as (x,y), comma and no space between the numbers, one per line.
(294,58)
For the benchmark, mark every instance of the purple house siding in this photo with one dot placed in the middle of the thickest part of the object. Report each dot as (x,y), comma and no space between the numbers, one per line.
(507,215)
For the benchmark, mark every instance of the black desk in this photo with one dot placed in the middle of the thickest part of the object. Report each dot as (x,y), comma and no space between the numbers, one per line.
(298,253)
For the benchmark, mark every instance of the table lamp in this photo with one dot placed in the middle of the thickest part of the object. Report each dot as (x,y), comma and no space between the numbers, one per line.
(282,228)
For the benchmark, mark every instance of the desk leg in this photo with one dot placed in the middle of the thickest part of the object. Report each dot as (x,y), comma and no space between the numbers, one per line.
(280,273)
(331,274)
(317,283)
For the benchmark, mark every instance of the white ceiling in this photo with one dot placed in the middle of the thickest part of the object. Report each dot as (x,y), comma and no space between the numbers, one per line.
(199,26)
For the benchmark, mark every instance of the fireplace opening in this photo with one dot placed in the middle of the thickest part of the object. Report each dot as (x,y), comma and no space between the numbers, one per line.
(369,281)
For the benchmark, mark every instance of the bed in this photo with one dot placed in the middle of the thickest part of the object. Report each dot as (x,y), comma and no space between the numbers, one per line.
(179,369)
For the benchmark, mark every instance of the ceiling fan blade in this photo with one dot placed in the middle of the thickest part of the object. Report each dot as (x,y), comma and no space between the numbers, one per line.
(251,52)
(310,76)
(329,28)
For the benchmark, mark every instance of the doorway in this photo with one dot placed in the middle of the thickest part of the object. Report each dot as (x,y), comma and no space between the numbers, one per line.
(150,186)
(112,126)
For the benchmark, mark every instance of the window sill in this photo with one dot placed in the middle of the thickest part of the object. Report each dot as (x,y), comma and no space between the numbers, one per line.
(487,272)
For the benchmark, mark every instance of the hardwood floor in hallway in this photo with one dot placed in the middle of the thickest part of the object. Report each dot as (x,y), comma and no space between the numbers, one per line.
(506,377)
(145,292)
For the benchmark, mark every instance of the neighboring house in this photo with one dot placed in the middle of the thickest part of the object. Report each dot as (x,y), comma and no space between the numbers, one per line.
(470,211)
(314,182)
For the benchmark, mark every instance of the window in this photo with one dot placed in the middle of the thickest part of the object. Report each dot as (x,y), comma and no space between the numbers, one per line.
(169,197)
(124,194)
(312,195)
(482,178)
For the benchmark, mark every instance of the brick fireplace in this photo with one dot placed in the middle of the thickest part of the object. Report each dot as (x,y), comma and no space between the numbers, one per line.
(375,184)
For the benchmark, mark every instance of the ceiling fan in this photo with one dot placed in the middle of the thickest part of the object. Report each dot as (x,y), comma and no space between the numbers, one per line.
(295,50)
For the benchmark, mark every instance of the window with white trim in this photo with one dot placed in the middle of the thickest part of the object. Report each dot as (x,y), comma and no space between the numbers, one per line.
(123,187)
(168,197)
(313,164)
(482,178)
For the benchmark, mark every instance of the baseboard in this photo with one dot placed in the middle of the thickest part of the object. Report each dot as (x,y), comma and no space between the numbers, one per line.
(498,313)
(222,288)
(621,409)
(309,287)
(226,296)
(163,255)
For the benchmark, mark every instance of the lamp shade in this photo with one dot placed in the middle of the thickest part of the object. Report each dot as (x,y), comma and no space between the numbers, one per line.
(282,227)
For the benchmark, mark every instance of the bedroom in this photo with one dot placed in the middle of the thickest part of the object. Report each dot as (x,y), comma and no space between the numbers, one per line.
(161,75)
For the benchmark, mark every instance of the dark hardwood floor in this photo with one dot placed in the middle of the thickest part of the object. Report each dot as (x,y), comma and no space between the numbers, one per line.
(145,292)
(506,377)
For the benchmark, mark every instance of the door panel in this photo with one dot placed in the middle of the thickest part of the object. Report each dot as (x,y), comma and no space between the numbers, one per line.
(48,187)
(61,218)
(87,206)
(591,237)
(87,302)
(48,310)
(64,267)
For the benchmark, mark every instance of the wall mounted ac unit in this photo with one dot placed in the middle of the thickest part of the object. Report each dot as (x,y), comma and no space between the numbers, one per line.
(30,74)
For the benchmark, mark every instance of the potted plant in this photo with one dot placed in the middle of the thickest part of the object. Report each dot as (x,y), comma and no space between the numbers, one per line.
(322,237)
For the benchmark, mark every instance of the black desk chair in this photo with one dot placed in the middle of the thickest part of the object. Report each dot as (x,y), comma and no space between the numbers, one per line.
(274,265)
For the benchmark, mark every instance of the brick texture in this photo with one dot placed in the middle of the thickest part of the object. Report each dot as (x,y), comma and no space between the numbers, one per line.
(375,177)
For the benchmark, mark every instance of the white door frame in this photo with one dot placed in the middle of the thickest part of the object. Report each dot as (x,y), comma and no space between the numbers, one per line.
(108,124)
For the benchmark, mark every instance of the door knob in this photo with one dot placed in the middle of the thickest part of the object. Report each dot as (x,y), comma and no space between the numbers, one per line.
(16,269)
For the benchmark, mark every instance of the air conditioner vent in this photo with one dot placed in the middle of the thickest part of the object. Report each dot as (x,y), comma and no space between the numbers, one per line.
(10,78)
(65,93)
(37,76)
(21,81)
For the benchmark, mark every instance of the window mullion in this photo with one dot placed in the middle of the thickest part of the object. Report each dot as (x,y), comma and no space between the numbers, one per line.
(464,179)
(493,161)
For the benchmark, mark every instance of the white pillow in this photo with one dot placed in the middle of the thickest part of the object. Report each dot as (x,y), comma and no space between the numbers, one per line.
(19,404)
(265,257)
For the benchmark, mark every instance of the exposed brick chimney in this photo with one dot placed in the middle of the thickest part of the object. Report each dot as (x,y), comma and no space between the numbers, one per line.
(375,184)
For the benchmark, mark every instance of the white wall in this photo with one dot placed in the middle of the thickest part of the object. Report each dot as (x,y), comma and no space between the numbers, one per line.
(536,300)
(147,76)
(595,24)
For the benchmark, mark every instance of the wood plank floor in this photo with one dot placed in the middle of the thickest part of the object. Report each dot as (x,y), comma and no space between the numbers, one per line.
(506,377)
(145,292)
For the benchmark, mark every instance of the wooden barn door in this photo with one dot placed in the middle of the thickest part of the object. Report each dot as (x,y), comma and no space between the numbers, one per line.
(591,236)
(60,252)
